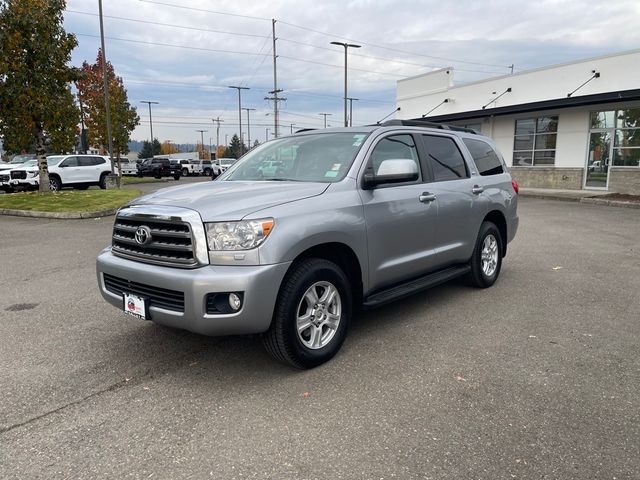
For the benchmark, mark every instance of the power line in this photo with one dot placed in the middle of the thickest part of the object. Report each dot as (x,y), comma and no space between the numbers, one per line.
(205,10)
(342,66)
(171,45)
(185,27)
(328,34)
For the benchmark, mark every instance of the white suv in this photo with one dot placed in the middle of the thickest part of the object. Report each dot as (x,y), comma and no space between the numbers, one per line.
(78,171)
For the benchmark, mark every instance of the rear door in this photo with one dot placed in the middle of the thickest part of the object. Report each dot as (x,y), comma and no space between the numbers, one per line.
(400,223)
(460,207)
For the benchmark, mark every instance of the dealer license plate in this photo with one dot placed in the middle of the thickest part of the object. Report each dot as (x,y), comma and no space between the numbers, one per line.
(135,306)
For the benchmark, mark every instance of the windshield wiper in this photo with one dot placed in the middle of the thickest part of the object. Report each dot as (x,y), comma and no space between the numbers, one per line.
(281,179)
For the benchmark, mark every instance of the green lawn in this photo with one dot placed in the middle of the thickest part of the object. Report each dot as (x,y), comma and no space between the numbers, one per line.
(68,201)
(126,180)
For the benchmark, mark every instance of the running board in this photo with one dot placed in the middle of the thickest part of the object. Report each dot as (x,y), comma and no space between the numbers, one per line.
(414,286)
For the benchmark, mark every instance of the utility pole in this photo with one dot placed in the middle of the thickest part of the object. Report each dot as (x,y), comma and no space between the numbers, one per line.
(275,99)
(106,90)
(346,47)
(351,99)
(150,119)
(275,78)
(325,115)
(218,121)
(240,112)
(248,127)
(202,140)
(266,134)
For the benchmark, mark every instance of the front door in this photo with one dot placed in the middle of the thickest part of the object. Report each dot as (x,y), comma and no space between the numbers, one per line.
(599,159)
(400,222)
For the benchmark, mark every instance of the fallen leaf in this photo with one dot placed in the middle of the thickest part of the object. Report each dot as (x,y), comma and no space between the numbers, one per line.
(306,394)
(557,268)
(460,378)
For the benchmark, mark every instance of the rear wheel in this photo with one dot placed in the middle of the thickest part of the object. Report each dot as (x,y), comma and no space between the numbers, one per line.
(102,183)
(486,260)
(54,184)
(185,172)
(157,174)
(207,172)
(312,314)
(176,177)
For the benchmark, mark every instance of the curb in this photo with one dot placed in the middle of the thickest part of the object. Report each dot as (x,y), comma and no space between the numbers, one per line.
(59,215)
(609,203)
(549,197)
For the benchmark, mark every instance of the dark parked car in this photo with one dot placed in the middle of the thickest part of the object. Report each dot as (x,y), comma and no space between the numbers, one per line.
(158,168)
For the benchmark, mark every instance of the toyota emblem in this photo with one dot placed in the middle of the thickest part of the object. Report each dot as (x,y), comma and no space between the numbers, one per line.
(143,235)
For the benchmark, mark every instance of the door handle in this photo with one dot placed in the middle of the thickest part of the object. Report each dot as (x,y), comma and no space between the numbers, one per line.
(427,197)
(477,189)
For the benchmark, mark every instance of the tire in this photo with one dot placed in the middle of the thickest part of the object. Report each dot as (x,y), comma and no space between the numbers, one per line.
(176,177)
(55,185)
(485,272)
(139,174)
(102,183)
(185,172)
(207,172)
(157,174)
(316,343)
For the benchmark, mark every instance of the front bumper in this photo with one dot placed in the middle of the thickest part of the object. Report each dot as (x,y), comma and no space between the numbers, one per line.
(260,285)
(26,182)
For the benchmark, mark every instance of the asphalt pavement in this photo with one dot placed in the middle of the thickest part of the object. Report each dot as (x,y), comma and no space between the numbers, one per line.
(537,377)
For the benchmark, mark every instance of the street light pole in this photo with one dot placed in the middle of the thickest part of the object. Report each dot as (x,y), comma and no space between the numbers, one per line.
(351,99)
(150,119)
(240,111)
(248,127)
(202,140)
(325,115)
(217,121)
(346,47)
(292,128)
(266,134)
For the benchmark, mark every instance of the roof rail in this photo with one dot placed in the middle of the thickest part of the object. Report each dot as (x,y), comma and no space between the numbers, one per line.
(425,123)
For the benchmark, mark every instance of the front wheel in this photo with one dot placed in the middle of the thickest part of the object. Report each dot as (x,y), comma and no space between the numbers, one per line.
(176,177)
(55,184)
(312,314)
(486,260)
(185,172)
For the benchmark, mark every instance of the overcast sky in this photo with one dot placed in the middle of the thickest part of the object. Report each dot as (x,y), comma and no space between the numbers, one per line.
(479,39)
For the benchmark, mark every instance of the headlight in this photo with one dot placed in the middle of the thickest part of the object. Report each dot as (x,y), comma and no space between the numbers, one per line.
(33,174)
(243,235)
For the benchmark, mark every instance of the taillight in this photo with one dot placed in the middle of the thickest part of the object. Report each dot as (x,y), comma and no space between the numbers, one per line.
(514,184)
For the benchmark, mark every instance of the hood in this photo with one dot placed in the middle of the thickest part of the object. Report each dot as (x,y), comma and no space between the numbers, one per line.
(8,166)
(221,201)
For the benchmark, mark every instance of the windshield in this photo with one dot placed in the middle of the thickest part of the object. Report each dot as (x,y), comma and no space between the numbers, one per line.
(54,160)
(18,159)
(30,163)
(321,157)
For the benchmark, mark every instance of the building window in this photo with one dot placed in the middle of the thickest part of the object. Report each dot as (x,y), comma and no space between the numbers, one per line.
(535,141)
(624,126)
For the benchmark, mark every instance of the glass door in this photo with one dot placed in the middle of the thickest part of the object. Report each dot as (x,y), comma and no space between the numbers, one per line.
(599,159)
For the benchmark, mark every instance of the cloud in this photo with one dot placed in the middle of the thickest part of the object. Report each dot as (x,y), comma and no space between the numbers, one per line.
(479,39)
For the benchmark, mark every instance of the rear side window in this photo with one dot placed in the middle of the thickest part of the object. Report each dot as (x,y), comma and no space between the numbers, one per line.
(445,158)
(98,160)
(70,162)
(485,157)
(85,161)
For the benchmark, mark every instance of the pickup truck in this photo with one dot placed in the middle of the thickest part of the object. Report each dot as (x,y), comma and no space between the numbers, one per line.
(351,218)
(158,168)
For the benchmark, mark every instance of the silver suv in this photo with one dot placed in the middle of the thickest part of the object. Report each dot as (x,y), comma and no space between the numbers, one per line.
(350,218)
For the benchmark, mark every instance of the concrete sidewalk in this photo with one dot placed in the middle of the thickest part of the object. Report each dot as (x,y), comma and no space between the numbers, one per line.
(582,196)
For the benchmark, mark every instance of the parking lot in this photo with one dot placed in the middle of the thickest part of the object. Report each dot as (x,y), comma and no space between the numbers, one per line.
(537,377)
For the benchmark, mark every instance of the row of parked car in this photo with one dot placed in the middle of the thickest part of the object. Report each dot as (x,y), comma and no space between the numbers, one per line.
(83,171)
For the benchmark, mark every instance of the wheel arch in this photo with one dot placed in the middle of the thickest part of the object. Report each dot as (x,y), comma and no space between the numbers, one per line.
(342,255)
(498,219)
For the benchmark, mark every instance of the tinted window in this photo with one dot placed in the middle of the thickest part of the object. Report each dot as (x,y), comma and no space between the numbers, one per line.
(70,162)
(394,147)
(85,161)
(485,157)
(100,161)
(445,158)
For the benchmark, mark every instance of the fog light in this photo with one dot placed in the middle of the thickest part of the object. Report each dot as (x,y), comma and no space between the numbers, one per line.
(234,301)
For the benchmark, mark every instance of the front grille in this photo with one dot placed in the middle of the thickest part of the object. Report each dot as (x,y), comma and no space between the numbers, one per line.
(171,241)
(5,178)
(158,297)
(19,175)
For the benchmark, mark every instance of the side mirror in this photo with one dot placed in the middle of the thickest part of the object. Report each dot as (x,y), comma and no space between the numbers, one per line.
(397,170)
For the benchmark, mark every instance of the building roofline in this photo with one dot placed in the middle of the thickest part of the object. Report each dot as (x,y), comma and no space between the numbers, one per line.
(526,72)
(567,102)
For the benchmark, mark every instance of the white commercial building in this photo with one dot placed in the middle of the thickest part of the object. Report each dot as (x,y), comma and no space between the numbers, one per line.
(574,125)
